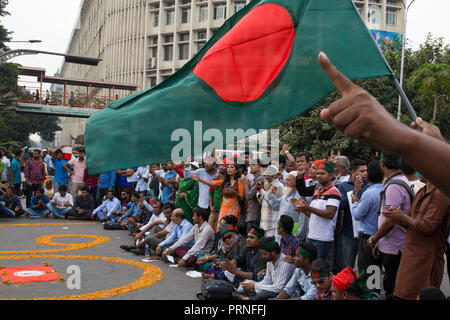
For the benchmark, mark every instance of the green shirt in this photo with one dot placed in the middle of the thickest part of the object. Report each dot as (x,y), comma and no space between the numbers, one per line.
(2,167)
(190,201)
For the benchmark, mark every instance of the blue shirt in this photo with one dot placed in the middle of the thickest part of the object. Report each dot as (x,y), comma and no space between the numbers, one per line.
(35,201)
(178,232)
(122,181)
(110,205)
(134,211)
(61,175)
(15,166)
(301,280)
(347,222)
(107,180)
(366,210)
(166,191)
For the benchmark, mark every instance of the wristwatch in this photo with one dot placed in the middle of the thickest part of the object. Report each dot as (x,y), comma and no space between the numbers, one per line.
(287,151)
(370,240)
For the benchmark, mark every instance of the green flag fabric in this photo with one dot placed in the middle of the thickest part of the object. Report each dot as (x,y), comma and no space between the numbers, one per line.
(257,71)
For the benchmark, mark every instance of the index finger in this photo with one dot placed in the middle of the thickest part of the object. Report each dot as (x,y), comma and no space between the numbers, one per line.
(340,81)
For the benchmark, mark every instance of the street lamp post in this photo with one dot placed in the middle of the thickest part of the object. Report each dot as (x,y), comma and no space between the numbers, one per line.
(402,66)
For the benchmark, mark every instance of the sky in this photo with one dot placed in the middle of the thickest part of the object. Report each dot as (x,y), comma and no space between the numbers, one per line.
(52,21)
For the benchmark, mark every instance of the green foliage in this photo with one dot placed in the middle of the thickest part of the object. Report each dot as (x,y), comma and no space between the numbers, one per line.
(308,132)
(44,126)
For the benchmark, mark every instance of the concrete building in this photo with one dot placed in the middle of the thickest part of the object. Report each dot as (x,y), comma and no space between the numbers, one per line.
(143,42)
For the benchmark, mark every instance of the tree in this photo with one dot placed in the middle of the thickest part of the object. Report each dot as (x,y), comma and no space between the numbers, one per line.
(432,79)
(309,132)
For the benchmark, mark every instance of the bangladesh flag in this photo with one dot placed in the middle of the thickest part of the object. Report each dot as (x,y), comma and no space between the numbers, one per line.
(259,70)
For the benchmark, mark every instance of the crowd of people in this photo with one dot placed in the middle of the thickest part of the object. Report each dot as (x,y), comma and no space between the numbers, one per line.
(275,226)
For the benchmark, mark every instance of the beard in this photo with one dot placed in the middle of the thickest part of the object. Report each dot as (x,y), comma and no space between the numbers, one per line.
(287,191)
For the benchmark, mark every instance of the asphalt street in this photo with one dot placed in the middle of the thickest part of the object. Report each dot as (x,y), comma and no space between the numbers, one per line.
(94,275)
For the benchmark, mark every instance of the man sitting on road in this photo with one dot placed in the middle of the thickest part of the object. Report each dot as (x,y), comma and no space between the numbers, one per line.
(10,205)
(108,210)
(133,212)
(322,278)
(83,206)
(61,203)
(39,205)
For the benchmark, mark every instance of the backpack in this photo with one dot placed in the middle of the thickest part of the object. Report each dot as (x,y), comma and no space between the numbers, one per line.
(109,225)
(213,289)
(401,183)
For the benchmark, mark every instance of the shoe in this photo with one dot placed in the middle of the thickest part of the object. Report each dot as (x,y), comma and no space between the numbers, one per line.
(138,251)
(127,248)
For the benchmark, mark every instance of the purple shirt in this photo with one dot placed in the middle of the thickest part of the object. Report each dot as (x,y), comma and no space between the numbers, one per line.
(396,196)
(326,296)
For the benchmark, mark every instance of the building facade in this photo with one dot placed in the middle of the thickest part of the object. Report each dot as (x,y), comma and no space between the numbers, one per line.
(143,42)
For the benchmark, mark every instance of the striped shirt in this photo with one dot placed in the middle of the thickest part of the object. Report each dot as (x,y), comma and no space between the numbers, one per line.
(320,228)
(277,276)
(269,216)
(35,171)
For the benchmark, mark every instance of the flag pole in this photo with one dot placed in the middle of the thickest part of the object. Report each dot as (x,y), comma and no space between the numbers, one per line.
(397,85)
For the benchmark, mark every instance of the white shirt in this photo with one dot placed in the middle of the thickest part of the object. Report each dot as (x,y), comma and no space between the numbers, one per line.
(7,163)
(155,218)
(141,185)
(277,276)
(203,192)
(67,199)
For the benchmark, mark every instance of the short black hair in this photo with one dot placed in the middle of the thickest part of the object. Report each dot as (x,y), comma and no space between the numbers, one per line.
(63,187)
(258,230)
(112,191)
(406,168)
(320,265)
(282,159)
(288,223)
(201,212)
(135,194)
(357,163)
(159,203)
(334,150)
(374,172)
(431,293)
(58,151)
(265,240)
(40,190)
(392,163)
(84,189)
(82,150)
(230,219)
(311,249)
(169,205)
(18,152)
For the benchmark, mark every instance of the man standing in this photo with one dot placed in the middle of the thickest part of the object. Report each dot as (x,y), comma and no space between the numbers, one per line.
(278,272)
(34,175)
(253,216)
(347,243)
(366,210)
(83,206)
(300,286)
(39,204)
(168,190)
(79,165)
(142,185)
(111,206)
(322,210)
(7,164)
(342,170)
(206,173)
(390,237)
(203,236)
(61,175)
(61,203)
(122,180)
(15,176)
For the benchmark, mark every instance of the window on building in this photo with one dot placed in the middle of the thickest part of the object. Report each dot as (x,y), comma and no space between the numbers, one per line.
(168,38)
(168,53)
(360,10)
(186,15)
(201,35)
(155,40)
(154,52)
(391,17)
(238,6)
(185,1)
(156,19)
(374,1)
(169,3)
(152,82)
(184,51)
(170,15)
(184,36)
(374,14)
(200,45)
(203,14)
(220,11)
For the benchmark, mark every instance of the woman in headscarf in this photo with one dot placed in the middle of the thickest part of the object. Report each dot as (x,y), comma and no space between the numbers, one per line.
(230,244)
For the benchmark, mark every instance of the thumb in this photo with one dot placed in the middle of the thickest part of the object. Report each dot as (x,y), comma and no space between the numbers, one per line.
(340,81)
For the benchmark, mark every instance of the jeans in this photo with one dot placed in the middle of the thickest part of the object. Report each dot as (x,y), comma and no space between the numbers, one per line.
(58,212)
(16,189)
(30,190)
(391,262)
(322,247)
(38,212)
(349,249)
(58,184)
(5,212)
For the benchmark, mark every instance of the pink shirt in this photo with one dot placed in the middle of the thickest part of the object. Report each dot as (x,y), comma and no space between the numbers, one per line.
(78,168)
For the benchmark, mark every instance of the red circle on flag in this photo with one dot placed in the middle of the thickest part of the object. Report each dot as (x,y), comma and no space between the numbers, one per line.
(246,60)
